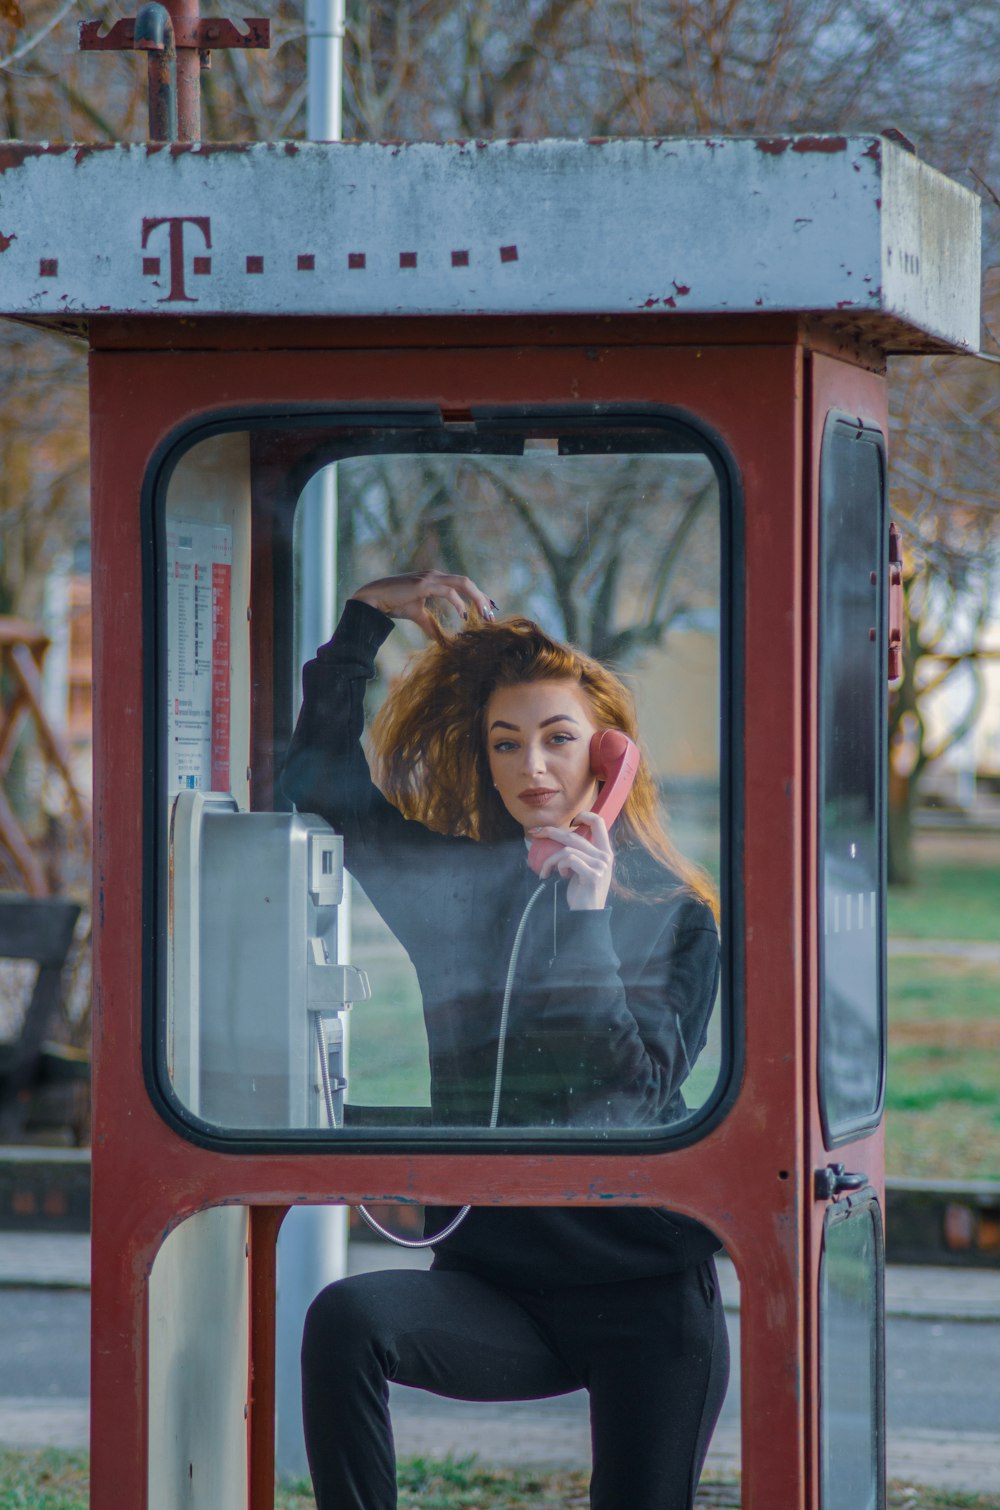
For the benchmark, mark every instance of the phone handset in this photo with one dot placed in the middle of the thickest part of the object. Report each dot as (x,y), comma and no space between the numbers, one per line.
(614,760)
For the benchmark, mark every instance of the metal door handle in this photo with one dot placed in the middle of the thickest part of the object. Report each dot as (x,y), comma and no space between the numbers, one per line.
(834,1180)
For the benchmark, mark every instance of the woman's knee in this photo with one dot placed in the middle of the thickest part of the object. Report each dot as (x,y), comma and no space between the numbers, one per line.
(342,1322)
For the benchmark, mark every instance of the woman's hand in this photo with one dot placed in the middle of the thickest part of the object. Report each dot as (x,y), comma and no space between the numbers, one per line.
(585,862)
(406,596)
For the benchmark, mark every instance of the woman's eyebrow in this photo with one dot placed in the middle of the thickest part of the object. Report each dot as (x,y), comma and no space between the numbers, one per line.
(557,718)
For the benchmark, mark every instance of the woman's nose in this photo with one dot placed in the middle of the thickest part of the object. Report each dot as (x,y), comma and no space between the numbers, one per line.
(534,757)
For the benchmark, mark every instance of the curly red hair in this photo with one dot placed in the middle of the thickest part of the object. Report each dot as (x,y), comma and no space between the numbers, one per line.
(429,747)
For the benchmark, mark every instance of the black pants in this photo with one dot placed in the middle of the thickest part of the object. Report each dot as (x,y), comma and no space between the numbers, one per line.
(653,1354)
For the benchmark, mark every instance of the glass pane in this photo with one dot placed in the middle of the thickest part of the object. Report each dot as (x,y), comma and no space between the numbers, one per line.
(851,1367)
(485,997)
(852,682)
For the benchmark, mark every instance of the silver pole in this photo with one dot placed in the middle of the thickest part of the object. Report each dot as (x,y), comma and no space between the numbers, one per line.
(312,1247)
(324,69)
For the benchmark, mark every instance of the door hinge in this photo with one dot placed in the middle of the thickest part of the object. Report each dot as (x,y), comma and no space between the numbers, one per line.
(895,666)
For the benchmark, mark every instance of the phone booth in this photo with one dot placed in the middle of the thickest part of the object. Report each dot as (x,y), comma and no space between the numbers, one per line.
(637,390)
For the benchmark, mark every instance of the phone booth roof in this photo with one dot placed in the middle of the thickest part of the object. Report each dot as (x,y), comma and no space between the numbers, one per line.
(853,229)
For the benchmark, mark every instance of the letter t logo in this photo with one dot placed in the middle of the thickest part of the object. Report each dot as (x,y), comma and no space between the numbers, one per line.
(175,243)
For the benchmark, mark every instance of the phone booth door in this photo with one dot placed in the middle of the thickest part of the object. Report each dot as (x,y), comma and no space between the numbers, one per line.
(851,669)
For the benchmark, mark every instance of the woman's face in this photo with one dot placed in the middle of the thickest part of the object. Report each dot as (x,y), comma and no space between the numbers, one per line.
(538,736)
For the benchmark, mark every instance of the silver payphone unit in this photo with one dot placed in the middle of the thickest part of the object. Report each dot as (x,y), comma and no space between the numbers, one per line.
(255,1034)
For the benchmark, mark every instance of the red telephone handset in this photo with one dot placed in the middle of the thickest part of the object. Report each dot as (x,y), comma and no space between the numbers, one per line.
(614,760)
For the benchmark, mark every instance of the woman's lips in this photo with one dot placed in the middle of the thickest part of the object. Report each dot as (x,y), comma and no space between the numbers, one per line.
(537,798)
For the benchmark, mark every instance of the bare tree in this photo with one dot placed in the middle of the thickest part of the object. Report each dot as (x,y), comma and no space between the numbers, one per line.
(531,68)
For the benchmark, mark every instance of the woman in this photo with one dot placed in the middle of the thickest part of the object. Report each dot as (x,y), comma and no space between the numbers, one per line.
(608,962)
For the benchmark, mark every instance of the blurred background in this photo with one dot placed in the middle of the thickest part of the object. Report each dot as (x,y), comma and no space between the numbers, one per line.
(506,68)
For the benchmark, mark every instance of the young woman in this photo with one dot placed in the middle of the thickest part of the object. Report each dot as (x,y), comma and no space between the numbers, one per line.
(604,968)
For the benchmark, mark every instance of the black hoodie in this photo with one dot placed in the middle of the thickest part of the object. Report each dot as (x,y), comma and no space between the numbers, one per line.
(608,1011)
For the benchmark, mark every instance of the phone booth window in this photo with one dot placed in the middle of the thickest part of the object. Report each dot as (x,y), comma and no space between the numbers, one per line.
(440,804)
(852,1366)
(852,647)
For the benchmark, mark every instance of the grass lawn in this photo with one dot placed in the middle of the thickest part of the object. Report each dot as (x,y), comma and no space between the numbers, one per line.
(952,898)
(52,1480)
(943,1094)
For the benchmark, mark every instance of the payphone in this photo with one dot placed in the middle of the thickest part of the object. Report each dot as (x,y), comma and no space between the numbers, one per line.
(559,355)
(256,997)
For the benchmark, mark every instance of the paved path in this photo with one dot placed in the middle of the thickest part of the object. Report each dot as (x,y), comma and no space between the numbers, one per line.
(979,951)
(951,1315)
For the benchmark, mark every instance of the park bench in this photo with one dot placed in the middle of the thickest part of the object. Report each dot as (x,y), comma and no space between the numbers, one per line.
(39,1077)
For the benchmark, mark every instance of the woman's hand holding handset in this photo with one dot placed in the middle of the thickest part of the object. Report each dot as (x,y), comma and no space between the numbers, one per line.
(585,862)
(407,596)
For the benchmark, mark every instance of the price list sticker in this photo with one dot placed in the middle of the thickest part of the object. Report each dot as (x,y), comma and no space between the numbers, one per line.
(199,587)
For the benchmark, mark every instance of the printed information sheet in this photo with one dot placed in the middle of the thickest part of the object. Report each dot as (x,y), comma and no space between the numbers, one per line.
(199,582)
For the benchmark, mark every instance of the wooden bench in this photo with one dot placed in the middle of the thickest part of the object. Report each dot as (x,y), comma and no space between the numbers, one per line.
(38,1077)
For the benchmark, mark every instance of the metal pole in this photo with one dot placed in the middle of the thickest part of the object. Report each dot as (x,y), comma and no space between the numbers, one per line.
(154,35)
(324,69)
(312,1247)
(188,73)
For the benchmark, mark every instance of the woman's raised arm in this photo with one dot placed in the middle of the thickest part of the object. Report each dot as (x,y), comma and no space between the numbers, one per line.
(407,596)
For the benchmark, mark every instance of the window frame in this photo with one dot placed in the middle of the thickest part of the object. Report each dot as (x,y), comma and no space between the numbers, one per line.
(506,422)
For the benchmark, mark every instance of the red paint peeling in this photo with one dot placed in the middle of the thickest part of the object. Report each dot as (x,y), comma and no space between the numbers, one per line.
(820,144)
(291,149)
(5,241)
(845,303)
(680,288)
(775,145)
(670,301)
(16,154)
(650,303)
(874,151)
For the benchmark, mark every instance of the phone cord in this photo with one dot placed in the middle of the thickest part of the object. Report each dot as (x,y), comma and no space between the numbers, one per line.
(459,1218)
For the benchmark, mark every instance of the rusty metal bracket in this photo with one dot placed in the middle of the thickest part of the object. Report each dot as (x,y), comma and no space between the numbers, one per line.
(202,36)
(192,43)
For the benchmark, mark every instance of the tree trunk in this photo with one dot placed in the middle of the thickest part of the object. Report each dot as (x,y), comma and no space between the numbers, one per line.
(901,866)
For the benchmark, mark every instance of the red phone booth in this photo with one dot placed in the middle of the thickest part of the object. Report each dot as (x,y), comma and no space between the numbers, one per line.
(636,389)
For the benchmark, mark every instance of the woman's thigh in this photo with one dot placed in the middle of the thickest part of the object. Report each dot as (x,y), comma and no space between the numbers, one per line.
(441,1331)
(655,1356)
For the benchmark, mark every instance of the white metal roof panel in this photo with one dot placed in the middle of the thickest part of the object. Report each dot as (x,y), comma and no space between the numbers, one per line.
(708,225)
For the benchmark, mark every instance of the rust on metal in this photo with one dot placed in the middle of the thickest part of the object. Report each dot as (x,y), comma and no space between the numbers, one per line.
(191,42)
(198,35)
(774,146)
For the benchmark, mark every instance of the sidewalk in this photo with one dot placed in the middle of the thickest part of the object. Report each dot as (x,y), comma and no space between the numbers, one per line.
(62,1262)
(547,1432)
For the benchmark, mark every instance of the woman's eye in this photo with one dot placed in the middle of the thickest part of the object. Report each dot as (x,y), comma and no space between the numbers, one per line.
(503,745)
(562,739)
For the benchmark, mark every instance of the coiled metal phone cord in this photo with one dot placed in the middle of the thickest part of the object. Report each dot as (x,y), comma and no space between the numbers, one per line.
(459,1218)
